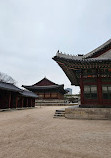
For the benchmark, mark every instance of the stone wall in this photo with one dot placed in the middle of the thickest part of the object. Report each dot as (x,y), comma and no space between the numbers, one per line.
(53,104)
(88,113)
(49,101)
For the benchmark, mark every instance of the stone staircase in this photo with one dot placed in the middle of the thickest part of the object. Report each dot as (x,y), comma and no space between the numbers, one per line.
(59,113)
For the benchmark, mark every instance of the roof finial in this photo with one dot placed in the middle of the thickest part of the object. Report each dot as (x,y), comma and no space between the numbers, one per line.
(57,54)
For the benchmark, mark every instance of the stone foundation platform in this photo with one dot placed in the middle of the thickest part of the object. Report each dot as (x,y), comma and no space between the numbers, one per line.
(54,104)
(88,113)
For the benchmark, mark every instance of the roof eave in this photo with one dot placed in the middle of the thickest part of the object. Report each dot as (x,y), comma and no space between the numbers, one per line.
(68,72)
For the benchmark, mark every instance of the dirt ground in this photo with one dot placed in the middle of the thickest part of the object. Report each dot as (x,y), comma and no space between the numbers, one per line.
(34,133)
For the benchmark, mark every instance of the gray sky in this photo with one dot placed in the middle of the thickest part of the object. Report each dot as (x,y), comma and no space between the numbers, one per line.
(31,32)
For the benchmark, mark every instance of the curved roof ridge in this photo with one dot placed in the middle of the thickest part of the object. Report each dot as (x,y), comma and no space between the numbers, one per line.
(97,49)
(44,81)
(50,85)
(67,56)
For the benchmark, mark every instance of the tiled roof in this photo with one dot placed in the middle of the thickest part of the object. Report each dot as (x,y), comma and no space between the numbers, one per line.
(43,87)
(67,56)
(9,87)
(44,82)
(70,64)
(89,56)
(27,93)
(83,60)
(12,88)
(103,46)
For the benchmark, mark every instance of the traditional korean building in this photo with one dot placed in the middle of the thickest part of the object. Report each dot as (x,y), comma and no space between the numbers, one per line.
(92,72)
(14,97)
(47,90)
(26,99)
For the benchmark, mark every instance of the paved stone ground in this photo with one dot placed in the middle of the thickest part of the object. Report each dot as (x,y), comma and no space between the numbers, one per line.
(34,133)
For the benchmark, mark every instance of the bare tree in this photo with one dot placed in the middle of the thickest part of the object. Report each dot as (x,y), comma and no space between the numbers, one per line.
(6,78)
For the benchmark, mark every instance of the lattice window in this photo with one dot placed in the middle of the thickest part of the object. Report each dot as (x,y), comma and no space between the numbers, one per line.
(106,79)
(47,95)
(106,90)
(90,92)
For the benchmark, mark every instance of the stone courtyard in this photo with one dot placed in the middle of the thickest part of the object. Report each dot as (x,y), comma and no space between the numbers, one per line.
(34,133)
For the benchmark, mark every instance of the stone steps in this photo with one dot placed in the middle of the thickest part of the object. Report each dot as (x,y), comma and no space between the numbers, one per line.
(59,114)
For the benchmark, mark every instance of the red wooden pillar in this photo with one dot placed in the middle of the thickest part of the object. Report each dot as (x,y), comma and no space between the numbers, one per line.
(82,89)
(27,102)
(31,101)
(16,102)
(34,101)
(99,90)
(22,102)
(9,100)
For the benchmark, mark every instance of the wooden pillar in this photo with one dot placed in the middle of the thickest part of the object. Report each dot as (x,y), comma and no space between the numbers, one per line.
(22,102)
(16,102)
(27,102)
(34,101)
(82,89)
(31,102)
(99,90)
(50,95)
(9,99)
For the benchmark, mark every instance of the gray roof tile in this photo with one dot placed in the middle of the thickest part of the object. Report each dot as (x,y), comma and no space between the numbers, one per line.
(27,93)
(9,87)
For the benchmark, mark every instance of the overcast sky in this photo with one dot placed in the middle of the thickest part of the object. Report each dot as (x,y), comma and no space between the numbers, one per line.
(31,32)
